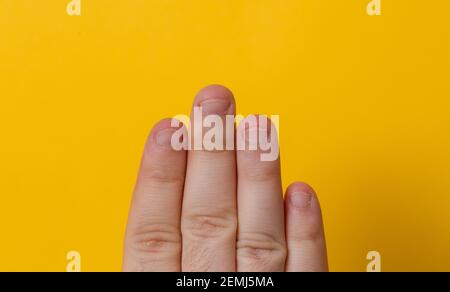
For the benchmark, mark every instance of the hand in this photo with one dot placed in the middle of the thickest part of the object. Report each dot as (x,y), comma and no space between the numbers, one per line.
(219,211)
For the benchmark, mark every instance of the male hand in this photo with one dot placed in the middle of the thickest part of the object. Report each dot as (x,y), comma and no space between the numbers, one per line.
(220,211)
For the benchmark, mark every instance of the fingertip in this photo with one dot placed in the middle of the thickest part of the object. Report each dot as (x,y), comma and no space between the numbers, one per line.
(257,139)
(216,99)
(300,187)
(301,197)
(162,134)
(303,209)
(257,121)
(215,91)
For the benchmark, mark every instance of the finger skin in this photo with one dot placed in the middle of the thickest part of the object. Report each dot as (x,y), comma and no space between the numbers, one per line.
(209,220)
(261,244)
(153,237)
(304,230)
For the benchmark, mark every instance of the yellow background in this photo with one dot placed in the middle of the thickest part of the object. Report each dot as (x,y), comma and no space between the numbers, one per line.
(364,105)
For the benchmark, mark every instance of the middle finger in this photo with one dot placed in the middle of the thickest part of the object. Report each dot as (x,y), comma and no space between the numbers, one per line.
(209,219)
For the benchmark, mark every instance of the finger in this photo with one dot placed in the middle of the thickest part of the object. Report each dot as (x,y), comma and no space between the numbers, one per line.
(304,231)
(153,238)
(209,204)
(261,244)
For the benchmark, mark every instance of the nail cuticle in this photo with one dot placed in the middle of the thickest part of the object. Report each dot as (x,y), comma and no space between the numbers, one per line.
(215,106)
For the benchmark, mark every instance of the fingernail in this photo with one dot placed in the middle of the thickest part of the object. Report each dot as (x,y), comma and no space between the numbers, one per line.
(215,106)
(164,137)
(301,200)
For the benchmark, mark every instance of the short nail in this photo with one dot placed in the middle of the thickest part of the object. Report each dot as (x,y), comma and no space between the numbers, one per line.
(215,106)
(301,200)
(164,137)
